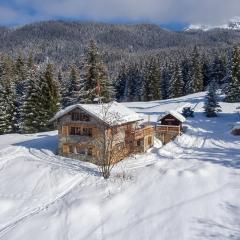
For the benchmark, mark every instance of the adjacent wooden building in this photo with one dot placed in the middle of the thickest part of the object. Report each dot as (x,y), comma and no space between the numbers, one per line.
(81,126)
(170,126)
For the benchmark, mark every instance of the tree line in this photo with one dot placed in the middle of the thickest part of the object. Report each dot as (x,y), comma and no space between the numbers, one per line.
(31,93)
(153,79)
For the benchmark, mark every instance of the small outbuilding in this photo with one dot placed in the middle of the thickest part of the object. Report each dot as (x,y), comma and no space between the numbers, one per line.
(171,125)
(172,118)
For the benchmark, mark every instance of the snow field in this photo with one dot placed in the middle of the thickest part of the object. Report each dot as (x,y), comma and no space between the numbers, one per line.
(186,190)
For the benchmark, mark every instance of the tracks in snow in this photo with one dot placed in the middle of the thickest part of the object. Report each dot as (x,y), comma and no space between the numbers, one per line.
(69,187)
(85,173)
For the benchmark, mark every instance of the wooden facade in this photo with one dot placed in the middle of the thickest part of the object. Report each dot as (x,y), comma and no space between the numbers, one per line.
(79,132)
(169,129)
(170,120)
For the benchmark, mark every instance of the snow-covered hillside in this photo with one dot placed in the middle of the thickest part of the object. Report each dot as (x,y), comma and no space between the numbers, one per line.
(232,24)
(186,190)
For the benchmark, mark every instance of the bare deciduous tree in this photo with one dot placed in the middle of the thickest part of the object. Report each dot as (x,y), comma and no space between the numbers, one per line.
(108,140)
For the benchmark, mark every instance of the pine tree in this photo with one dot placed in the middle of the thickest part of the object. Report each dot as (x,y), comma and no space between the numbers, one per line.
(122,84)
(218,69)
(12,108)
(74,93)
(20,72)
(211,106)
(31,109)
(233,77)
(177,83)
(207,72)
(8,104)
(152,84)
(96,80)
(3,111)
(49,102)
(187,76)
(8,110)
(197,74)
(166,82)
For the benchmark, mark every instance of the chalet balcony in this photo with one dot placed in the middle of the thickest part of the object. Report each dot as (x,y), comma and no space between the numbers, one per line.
(168,129)
(139,133)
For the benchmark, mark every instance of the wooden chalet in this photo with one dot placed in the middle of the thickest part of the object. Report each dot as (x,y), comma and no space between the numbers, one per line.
(170,126)
(80,125)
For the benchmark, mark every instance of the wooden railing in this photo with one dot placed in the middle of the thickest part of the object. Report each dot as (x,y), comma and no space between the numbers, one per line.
(168,128)
(139,133)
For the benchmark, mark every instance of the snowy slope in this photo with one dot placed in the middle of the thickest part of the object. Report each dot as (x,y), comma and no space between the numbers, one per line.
(186,190)
(232,24)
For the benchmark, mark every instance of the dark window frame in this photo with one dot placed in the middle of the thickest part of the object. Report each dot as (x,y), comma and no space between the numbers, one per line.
(75,131)
(78,116)
(87,132)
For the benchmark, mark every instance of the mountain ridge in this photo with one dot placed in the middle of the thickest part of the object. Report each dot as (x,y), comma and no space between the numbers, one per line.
(232,24)
(64,42)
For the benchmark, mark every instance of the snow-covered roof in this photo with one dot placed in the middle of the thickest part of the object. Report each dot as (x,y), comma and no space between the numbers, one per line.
(112,113)
(176,114)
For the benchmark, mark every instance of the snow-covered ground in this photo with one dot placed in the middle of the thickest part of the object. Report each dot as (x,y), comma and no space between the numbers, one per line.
(186,190)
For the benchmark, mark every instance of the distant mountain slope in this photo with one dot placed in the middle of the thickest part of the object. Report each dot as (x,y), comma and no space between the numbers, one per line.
(232,24)
(64,42)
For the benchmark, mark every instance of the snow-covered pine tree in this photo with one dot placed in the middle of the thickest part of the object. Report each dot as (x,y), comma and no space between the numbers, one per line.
(3,111)
(31,108)
(62,87)
(129,82)
(8,97)
(152,84)
(187,76)
(20,76)
(167,73)
(218,69)
(177,83)
(8,110)
(74,93)
(95,75)
(233,77)
(49,102)
(121,85)
(197,74)
(12,108)
(211,106)
(21,81)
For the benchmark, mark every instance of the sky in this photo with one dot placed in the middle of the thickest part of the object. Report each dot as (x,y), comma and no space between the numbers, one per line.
(173,14)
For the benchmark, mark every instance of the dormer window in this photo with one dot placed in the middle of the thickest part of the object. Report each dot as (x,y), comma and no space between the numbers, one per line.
(77,116)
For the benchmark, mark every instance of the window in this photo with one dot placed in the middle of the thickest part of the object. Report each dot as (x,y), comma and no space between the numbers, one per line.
(75,131)
(138,143)
(77,116)
(87,132)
